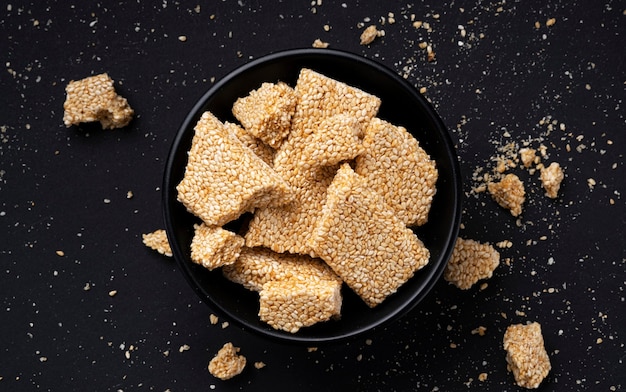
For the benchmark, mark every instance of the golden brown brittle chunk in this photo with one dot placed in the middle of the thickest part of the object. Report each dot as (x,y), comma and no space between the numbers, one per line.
(262,150)
(471,261)
(337,139)
(292,303)
(94,99)
(213,246)
(509,193)
(223,178)
(526,355)
(157,240)
(287,228)
(266,112)
(363,241)
(551,178)
(256,266)
(399,169)
(227,363)
(320,97)
(528,156)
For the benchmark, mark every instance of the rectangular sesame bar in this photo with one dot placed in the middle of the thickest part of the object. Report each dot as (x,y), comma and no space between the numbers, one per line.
(395,165)
(363,241)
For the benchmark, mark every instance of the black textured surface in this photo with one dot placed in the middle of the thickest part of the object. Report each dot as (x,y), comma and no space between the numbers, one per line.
(503,81)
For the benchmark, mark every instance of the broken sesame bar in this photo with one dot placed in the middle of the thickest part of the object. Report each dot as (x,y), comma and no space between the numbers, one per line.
(292,303)
(256,266)
(223,178)
(508,193)
(213,246)
(262,150)
(528,156)
(397,167)
(287,228)
(94,99)
(227,363)
(471,261)
(266,112)
(157,240)
(526,355)
(320,97)
(363,241)
(337,139)
(551,178)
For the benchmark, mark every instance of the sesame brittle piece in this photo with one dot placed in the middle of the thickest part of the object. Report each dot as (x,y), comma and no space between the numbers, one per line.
(223,178)
(227,363)
(471,261)
(526,355)
(363,241)
(287,228)
(292,303)
(266,112)
(213,246)
(262,150)
(551,178)
(157,240)
(508,193)
(94,99)
(397,167)
(257,266)
(528,156)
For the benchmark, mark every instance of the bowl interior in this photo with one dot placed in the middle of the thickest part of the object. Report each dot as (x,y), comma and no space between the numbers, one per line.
(401,105)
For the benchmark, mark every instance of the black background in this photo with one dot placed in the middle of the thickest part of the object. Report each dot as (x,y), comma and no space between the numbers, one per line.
(505,81)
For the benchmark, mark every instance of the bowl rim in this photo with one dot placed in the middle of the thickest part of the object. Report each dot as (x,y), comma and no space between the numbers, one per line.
(192,117)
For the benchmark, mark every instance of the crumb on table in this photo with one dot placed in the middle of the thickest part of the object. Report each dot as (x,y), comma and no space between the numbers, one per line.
(509,193)
(227,363)
(526,355)
(551,178)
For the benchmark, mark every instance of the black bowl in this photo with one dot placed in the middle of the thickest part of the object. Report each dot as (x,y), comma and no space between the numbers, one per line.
(401,105)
